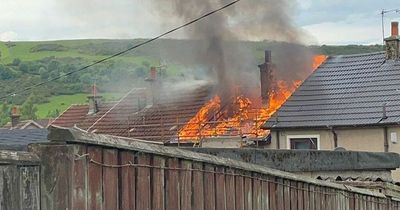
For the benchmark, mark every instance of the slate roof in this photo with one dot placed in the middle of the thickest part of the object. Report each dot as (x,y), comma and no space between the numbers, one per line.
(157,122)
(18,139)
(346,90)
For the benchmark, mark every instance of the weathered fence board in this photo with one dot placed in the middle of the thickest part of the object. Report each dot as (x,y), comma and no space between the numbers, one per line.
(95,177)
(239,191)
(230,189)
(143,195)
(273,192)
(248,192)
(79,179)
(10,187)
(29,187)
(110,179)
(257,194)
(265,193)
(300,199)
(19,180)
(220,189)
(172,183)
(293,195)
(128,181)
(186,185)
(198,189)
(209,187)
(158,183)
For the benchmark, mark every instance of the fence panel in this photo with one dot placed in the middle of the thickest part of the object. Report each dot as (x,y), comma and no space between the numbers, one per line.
(172,184)
(110,179)
(239,191)
(186,185)
(158,184)
(220,188)
(95,177)
(143,194)
(230,189)
(209,187)
(130,175)
(198,187)
(79,179)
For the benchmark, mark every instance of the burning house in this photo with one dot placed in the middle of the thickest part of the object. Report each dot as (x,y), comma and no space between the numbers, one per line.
(188,113)
(237,97)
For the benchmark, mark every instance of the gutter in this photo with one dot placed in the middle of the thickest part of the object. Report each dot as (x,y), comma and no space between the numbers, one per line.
(374,125)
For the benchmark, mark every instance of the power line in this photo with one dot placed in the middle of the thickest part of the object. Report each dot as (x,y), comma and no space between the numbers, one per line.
(119,53)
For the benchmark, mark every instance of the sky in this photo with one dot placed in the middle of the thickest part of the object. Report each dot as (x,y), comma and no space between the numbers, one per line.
(331,22)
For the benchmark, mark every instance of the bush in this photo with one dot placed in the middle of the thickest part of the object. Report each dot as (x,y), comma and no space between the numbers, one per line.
(48,47)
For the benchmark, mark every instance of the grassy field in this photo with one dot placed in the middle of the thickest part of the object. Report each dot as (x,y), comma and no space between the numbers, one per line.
(22,51)
(62,102)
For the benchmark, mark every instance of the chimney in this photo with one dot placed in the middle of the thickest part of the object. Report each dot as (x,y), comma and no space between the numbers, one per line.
(393,43)
(266,78)
(152,86)
(94,101)
(14,115)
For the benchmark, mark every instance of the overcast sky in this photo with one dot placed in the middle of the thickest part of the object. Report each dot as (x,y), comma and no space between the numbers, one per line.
(326,21)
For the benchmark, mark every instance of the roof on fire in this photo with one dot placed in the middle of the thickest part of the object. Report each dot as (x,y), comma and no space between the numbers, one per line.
(346,90)
(158,122)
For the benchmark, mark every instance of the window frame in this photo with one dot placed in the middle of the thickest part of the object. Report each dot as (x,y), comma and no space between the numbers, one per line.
(289,137)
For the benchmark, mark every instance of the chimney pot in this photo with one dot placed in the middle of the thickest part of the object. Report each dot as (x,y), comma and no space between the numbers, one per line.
(395,28)
(153,73)
(393,43)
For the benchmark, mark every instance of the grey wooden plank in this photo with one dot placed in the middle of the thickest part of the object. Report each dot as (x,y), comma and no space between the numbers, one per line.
(29,187)
(10,193)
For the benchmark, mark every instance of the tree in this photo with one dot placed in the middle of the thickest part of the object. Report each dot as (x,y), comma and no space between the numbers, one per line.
(16,62)
(53,114)
(4,114)
(28,109)
(44,74)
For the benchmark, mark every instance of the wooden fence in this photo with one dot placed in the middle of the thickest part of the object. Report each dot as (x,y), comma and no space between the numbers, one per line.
(19,180)
(87,171)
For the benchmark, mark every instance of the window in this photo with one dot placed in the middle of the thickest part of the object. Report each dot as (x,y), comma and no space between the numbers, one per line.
(303,142)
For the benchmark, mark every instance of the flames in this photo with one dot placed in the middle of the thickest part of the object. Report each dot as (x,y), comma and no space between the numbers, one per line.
(244,117)
(318,60)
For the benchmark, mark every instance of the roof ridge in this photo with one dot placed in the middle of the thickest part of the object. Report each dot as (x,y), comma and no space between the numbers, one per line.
(357,54)
(31,122)
(100,118)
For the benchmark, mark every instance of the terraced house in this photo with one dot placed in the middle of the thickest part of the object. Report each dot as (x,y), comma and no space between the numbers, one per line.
(350,102)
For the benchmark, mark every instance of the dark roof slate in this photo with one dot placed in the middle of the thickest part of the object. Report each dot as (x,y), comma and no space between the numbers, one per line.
(18,139)
(346,90)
